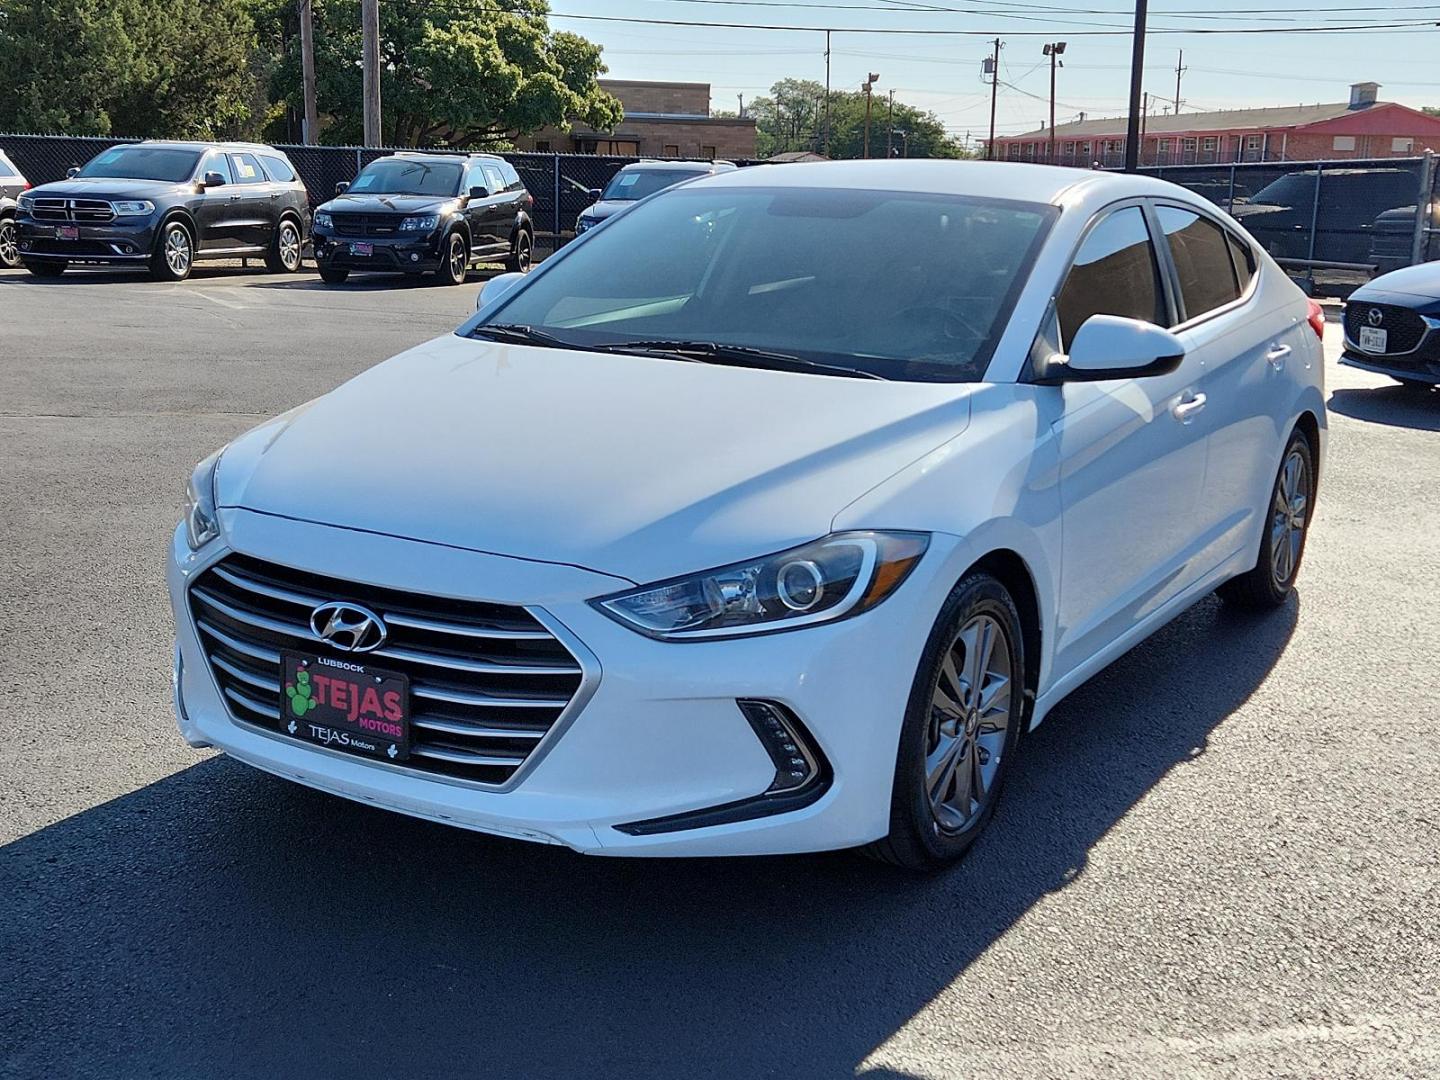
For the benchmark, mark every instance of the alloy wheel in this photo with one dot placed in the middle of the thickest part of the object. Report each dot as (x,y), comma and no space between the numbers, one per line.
(522,253)
(458,258)
(1288,517)
(177,250)
(969,718)
(289,246)
(9,248)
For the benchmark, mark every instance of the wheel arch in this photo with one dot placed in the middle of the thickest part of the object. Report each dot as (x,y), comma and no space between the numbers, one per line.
(1010,568)
(180,214)
(1309,424)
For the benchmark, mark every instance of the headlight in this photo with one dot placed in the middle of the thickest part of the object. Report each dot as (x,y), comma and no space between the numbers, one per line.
(423,223)
(202,523)
(832,578)
(133,207)
(323,220)
(26,203)
(582,224)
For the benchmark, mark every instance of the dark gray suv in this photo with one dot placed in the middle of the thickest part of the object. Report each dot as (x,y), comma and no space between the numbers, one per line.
(11,185)
(164,206)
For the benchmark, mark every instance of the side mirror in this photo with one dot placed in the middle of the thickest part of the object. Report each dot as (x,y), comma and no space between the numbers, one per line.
(594,195)
(213,179)
(497,287)
(479,191)
(73,170)
(341,188)
(1111,347)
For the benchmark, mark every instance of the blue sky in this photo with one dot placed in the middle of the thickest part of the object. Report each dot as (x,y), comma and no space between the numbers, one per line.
(943,72)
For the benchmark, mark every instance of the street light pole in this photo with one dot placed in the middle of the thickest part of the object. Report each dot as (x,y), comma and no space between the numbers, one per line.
(993,63)
(1054,51)
(1137,74)
(310,124)
(370,25)
(890,129)
(826,150)
(868,86)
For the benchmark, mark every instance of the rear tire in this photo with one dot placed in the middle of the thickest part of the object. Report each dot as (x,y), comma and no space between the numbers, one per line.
(174,255)
(334,275)
(961,728)
(518,261)
(1282,542)
(9,244)
(284,255)
(46,269)
(454,259)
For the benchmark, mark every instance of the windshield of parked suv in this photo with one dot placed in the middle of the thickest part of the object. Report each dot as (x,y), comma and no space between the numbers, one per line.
(896,284)
(144,163)
(633,184)
(397,176)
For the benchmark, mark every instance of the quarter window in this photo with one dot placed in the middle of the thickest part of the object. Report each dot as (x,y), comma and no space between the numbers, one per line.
(5,169)
(1202,260)
(1244,261)
(1115,273)
(278,168)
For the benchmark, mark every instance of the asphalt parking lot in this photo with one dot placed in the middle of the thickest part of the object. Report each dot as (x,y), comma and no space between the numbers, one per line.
(1218,857)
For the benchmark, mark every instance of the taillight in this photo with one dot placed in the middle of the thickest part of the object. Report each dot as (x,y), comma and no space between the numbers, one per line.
(1316,319)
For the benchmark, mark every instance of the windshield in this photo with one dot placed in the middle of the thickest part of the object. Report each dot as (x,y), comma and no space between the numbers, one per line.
(634,184)
(144,163)
(898,284)
(397,176)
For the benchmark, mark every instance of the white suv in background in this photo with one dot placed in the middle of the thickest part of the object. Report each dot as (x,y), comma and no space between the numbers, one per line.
(11,185)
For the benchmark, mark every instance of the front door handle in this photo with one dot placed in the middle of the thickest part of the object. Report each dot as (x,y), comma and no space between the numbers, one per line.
(1276,356)
(1187,409)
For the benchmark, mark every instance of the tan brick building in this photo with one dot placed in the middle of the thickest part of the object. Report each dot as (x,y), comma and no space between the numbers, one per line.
(662,119)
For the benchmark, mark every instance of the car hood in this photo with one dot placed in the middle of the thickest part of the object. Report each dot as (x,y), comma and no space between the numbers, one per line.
(636,467)
(1254,210)
(1403,286)
(387,204)
(606,207)
(106,187)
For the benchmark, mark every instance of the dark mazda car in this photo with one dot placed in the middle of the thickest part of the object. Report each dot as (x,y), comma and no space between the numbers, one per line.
(165,206)
(1392,326)
(418,213)
(635,181)
(12,184)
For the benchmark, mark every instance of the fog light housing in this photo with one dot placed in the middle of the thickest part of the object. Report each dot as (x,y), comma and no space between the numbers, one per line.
(414,256)
(779,731)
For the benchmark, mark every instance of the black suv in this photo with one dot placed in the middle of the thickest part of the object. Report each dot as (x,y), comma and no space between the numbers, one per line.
(414,213)
(165,205)
(11,185)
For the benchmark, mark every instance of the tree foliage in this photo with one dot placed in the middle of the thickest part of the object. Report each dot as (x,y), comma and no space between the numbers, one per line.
(161,68)
(792,117)
(453,72)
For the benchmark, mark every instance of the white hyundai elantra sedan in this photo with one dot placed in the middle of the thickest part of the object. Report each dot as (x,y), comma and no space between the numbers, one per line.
(766,518)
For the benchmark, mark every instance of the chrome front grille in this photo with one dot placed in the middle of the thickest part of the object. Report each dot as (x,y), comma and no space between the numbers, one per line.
(487,681)
(88,211)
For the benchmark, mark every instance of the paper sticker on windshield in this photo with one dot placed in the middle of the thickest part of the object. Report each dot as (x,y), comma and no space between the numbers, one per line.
(628,179)
(108,156)
(363,183)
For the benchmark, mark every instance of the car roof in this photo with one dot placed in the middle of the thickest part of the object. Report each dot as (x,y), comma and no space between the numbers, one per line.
(660,165)
(987,179)
(219,144)
(447,154)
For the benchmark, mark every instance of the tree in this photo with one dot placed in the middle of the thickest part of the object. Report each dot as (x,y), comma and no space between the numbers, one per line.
(793,118)
(161,68)
(453,72)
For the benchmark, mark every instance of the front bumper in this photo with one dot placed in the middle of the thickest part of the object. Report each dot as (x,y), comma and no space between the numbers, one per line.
(405,253)
(661,733)
(120,242)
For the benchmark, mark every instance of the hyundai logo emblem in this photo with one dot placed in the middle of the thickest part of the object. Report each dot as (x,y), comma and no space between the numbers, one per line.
(348,627)
(1375,316)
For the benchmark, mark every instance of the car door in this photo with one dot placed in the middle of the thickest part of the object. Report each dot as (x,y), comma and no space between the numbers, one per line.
(216,207)
(1246,382)
(1131,458)
(499,210)
(256,214)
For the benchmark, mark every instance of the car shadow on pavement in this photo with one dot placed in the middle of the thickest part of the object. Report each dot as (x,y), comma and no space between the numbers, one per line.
(220,922)
(1396,405)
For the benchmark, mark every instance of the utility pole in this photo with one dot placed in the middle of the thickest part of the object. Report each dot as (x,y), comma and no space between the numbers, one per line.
(1137,74)
(1054,51)
(867,86)
(1144,121)
(742,105)
(1180,69)
(826,150)
(370,25)
(992,63)
(310,123)
(890,129)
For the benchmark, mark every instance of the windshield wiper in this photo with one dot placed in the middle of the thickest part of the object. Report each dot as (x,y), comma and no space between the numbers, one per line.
(714,352)
(520,334)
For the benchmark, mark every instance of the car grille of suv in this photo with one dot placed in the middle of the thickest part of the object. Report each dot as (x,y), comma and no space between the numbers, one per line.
(91,211)
(1404,327)
(367,224)
(487,681)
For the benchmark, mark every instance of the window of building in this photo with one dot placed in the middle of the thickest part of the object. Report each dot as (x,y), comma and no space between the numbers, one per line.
(672,150)
(1402,146)
(1163,146)
(708,153)
(1344,142)
(542,146)
(1115,273)
(611,147)
(1208,143)
(1252,142)
(1202,260)
(1188,145)
(1069,149)
(1085,150)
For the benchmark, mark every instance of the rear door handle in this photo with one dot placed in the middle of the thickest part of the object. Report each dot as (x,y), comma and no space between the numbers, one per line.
(1187,409)
(1276,356)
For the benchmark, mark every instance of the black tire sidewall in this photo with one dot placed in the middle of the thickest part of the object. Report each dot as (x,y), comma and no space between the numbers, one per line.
(912,822)
(159,266)
(334,275)
(1267,550)
(446,274)
(274,261)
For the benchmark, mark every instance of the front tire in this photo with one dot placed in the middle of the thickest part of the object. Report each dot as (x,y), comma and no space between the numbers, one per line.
(9,244)
(46,269)
(455,260)
(961,728)
(334,275)
(174,255)
(1282,544)
(285,249)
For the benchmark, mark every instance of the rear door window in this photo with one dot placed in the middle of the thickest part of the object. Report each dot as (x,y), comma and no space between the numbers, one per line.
(5,169)
(494,180)
(1115,273)
(1202,260)
(247,169)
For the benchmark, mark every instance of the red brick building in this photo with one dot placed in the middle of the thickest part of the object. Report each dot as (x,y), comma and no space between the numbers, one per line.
(662,119)
(1363,127)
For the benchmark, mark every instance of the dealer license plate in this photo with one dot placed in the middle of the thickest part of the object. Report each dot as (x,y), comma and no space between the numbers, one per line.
(345,706)
(362,249)
(67,232)
(1372,340)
